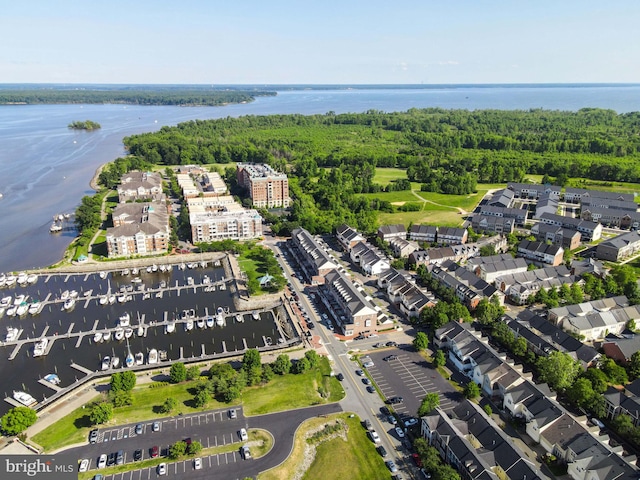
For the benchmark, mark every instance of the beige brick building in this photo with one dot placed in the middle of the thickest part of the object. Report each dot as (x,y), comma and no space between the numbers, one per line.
(138,229)
(267,188)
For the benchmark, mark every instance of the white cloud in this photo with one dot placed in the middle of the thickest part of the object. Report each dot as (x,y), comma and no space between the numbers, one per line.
(449,62)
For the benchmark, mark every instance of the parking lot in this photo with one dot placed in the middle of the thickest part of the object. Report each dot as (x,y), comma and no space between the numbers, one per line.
(410,377)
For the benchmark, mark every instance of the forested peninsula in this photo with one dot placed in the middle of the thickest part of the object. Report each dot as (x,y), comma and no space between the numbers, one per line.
(143,96)
(331,159)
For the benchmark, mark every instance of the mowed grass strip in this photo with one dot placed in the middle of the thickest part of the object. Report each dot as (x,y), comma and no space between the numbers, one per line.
(384,176)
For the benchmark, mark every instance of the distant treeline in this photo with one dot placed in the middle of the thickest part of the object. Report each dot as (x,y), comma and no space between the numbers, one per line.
(445,151)
(86,125)
(186,97)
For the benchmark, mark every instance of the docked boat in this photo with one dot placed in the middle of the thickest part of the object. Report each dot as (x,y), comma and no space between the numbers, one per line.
(153,356)
(19,299)
(115,362)
(125,271)
(162,355)
(106,336)
(104,299)
(10,280)
(112,299)
(11,311)
(188,325)
(40,347)
(73,294)
(209,322)
(140,331)
(139,358)
(124,320)
(170,327)
(239,318)
(97,337)
(24,398)
(32,278)
(87,293)
(182,266)
(55,227)
(163,268)
(128,332)
(223,286)
(200,323)
(22,278)
(69,303)
(64,295)
(6,301)
(103,275)
(154,268)
(22,309)
(118,334)
(134,271)
(34,308)
(106,363)
(255,316)
(52,378)
(122,298)
(12,334)
(149,269)
(220,320)
(129,360)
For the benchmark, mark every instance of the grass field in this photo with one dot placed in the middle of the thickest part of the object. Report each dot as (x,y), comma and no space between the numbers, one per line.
(384,176)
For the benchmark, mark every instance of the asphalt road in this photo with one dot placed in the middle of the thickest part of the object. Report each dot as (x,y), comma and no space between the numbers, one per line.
(211,428)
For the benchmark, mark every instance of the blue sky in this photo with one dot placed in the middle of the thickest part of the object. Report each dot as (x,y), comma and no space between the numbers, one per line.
(348,41)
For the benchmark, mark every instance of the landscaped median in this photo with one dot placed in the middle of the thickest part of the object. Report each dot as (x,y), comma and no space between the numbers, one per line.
(335,446)
(260,442)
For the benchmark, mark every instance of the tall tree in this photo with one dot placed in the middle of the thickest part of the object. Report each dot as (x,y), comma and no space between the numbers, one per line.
(17,420)
(559,370)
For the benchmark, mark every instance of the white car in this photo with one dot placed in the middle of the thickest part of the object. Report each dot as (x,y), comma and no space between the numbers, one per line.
(597,422)
(84,465)
(399,432)
(102,461)
(197,463)
(162,469)
(243,435)
(373,435)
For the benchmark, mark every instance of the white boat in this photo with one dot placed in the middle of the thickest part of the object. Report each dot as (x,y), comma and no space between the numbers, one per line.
(223,286)
(209,321)
(106,363)
(73,294)
(64,295)
(140,331)
(97,337)
(124,320)
(118,334)
(11,280)
(129,360)
(32,278)
(149,269)
(40,347)
(200,323)
(269,341)
(6,301)
(163,268)
(12,334)
(182,266)
(106,336)
(22,309)
(134,271)
(55,228)
(139,358)
(125,271)
(24,398)
(122,298)
(34,308)
(52,378)
(103,275)
(11,311)
(239,318)
(22,278)
(153,356)
(220,320)
(104,299)
(255,316)
(170,327)
(88,293)
(115,362)
(112,299)
(128,332)
(154,268)
(69,303)
(188,326)
(19,299)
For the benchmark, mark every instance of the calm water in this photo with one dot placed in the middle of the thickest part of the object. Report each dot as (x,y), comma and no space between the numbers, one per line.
(45,168)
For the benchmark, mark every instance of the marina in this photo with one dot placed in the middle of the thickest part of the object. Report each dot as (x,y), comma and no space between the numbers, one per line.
(95,337)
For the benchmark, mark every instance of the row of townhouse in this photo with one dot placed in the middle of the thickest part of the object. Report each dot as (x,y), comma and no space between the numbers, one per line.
(491,267)
(557,235)
(405,294)
(403,248)
(625,401)
(576,195)
(502,198)
(533,191)
(590,231)
(546,204)
(612,218)
(546,422)
(371,260)
(469,288)
(348,237)
(518,215)
(352,311)
(620,247)
(198,183)
(541,253)
(439,255)
(441,235)
(520,286)
(609,204)
(475,445)
(492,224)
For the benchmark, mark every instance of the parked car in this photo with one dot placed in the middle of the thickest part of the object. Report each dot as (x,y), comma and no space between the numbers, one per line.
(197,463)
(382,451)
(366,381)
(408,422)
(390,357)
(84,465)
(391,466)
(597,422)
(162,469)
(245,452)
(154,451)
(385,410)
(367,424)
(139,429)
(340,376)
(311,325)
(371,389)
(137,455)
(102,460)
(93,436)
(243,434)
(373,435)
(391,419)
(359,372)
(233,414)
(399,432)
(392,344)
(98,476)
(416,459)
(120,457)
(368,364)
(395,400)
(111,459)
(156,426)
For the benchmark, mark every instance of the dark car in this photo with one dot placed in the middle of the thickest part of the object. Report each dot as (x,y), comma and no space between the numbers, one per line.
(137,455)
(311,325)
(371,389)
(392,344)
(366,381)
(359,372)
(382,451)
(111,459)
(385,410)
(395,400)
(154,451)
(390,357)
(120,457)
(93,436)
(340,376)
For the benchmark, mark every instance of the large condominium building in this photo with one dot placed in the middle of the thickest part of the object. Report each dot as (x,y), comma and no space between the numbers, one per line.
(267,188)
(230,221)
(139,229)
(140,186)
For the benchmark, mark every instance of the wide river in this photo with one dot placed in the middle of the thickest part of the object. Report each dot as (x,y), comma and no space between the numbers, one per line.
(45,168)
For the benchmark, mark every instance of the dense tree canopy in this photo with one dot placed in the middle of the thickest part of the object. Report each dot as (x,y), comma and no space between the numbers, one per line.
(17,420)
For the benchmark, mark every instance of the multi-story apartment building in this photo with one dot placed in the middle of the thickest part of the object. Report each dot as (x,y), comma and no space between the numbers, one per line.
(140,186)
(230,223)
(139,229)
(267,188)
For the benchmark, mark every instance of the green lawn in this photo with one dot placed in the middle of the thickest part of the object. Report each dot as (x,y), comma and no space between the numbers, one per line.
(358,458)
(393,197)
(384,176)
